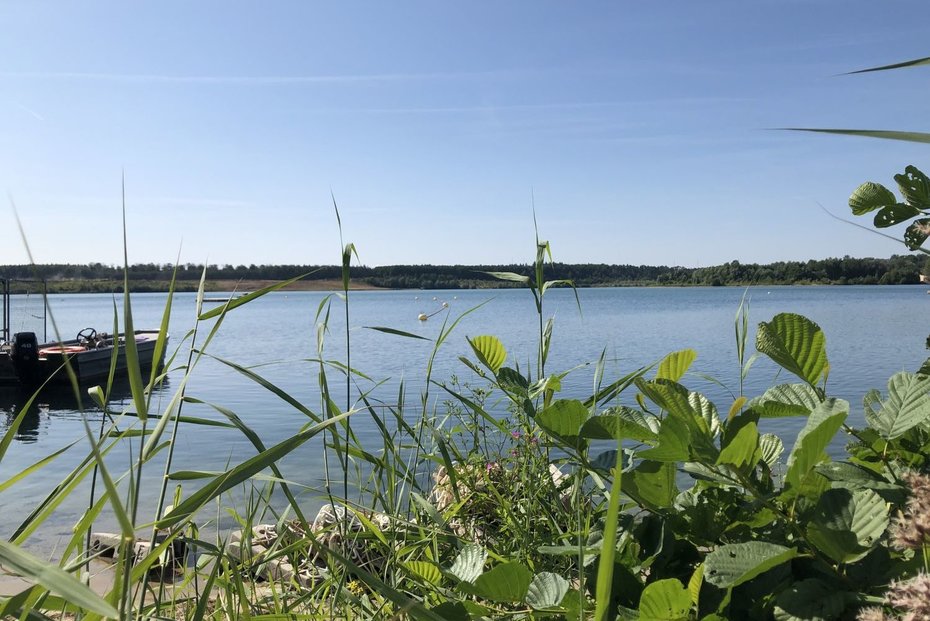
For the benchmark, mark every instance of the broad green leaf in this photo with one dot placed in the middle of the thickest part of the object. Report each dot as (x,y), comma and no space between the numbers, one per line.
(611,426)
(772,448)
(507,582)
(707,411)
(915,187)
(687,407)
(742,445)
(469,564)
(795,343)
(870,196)
(651,484)
(786,400)
(452,611)
(814,438)
(53,578)
(847,524)
(893,214)
(424,570)
(733,564)
(665,600)
(851,476)
(546,590)
(563,418)
(674,442)
(908,405)
(812,600)
(674,365)
(513,382)
(670,396)
(916,234)
(490,351)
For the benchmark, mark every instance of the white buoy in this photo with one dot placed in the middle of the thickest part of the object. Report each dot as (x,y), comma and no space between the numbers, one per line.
(422,316)
(445,305)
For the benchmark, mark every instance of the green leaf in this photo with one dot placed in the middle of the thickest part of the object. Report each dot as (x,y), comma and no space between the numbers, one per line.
(53,578)
(742,445)
(452,611)
(424,570)
(706,410)
(469,564)
(689,408)
(813,439)
(651,484)
(870,133)
(772,448)
(564,418)
(847,524)
(507,582)
(674,442)
(613,426)
(893,214)
(546,590)
(915,187)
(795,343)
(916,234)
(811,600)
(870,196)
(907,63)
(665,600)
(675,364)
(733,564)
(235,303)
(908,405)
(490,351)
(395,332)
(851,476)
(510,276)
(786,400)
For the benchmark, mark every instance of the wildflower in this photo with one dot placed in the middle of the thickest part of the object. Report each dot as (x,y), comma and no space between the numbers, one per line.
(514,453)
(355,587)
(911,530)
(912,597)
(515,435)
(871,614)
(534,440)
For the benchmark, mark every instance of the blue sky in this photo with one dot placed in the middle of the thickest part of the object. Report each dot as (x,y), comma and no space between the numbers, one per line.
(640,130)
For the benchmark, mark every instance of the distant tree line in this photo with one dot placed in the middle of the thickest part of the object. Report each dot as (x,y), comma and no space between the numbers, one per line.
(899,269)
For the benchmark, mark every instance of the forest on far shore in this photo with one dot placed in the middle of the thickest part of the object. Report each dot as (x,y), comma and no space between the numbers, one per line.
(97,277)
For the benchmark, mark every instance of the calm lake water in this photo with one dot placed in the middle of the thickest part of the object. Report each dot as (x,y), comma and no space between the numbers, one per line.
(872,333)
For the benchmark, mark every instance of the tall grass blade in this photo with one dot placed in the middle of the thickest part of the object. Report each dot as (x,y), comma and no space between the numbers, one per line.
(923,137)
(133,369)
(53,578)
(605,568)
(901,65)
(243,472)
(245,299)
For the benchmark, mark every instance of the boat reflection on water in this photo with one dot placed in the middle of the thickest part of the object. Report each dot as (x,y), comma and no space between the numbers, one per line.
(56,402)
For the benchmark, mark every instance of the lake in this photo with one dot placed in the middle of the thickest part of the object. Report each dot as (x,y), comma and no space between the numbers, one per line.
(872,333)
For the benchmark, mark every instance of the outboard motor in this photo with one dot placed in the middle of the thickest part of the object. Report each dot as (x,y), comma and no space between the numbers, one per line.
(25,356)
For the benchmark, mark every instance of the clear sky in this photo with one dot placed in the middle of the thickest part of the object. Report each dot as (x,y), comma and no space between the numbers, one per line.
(640,129)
